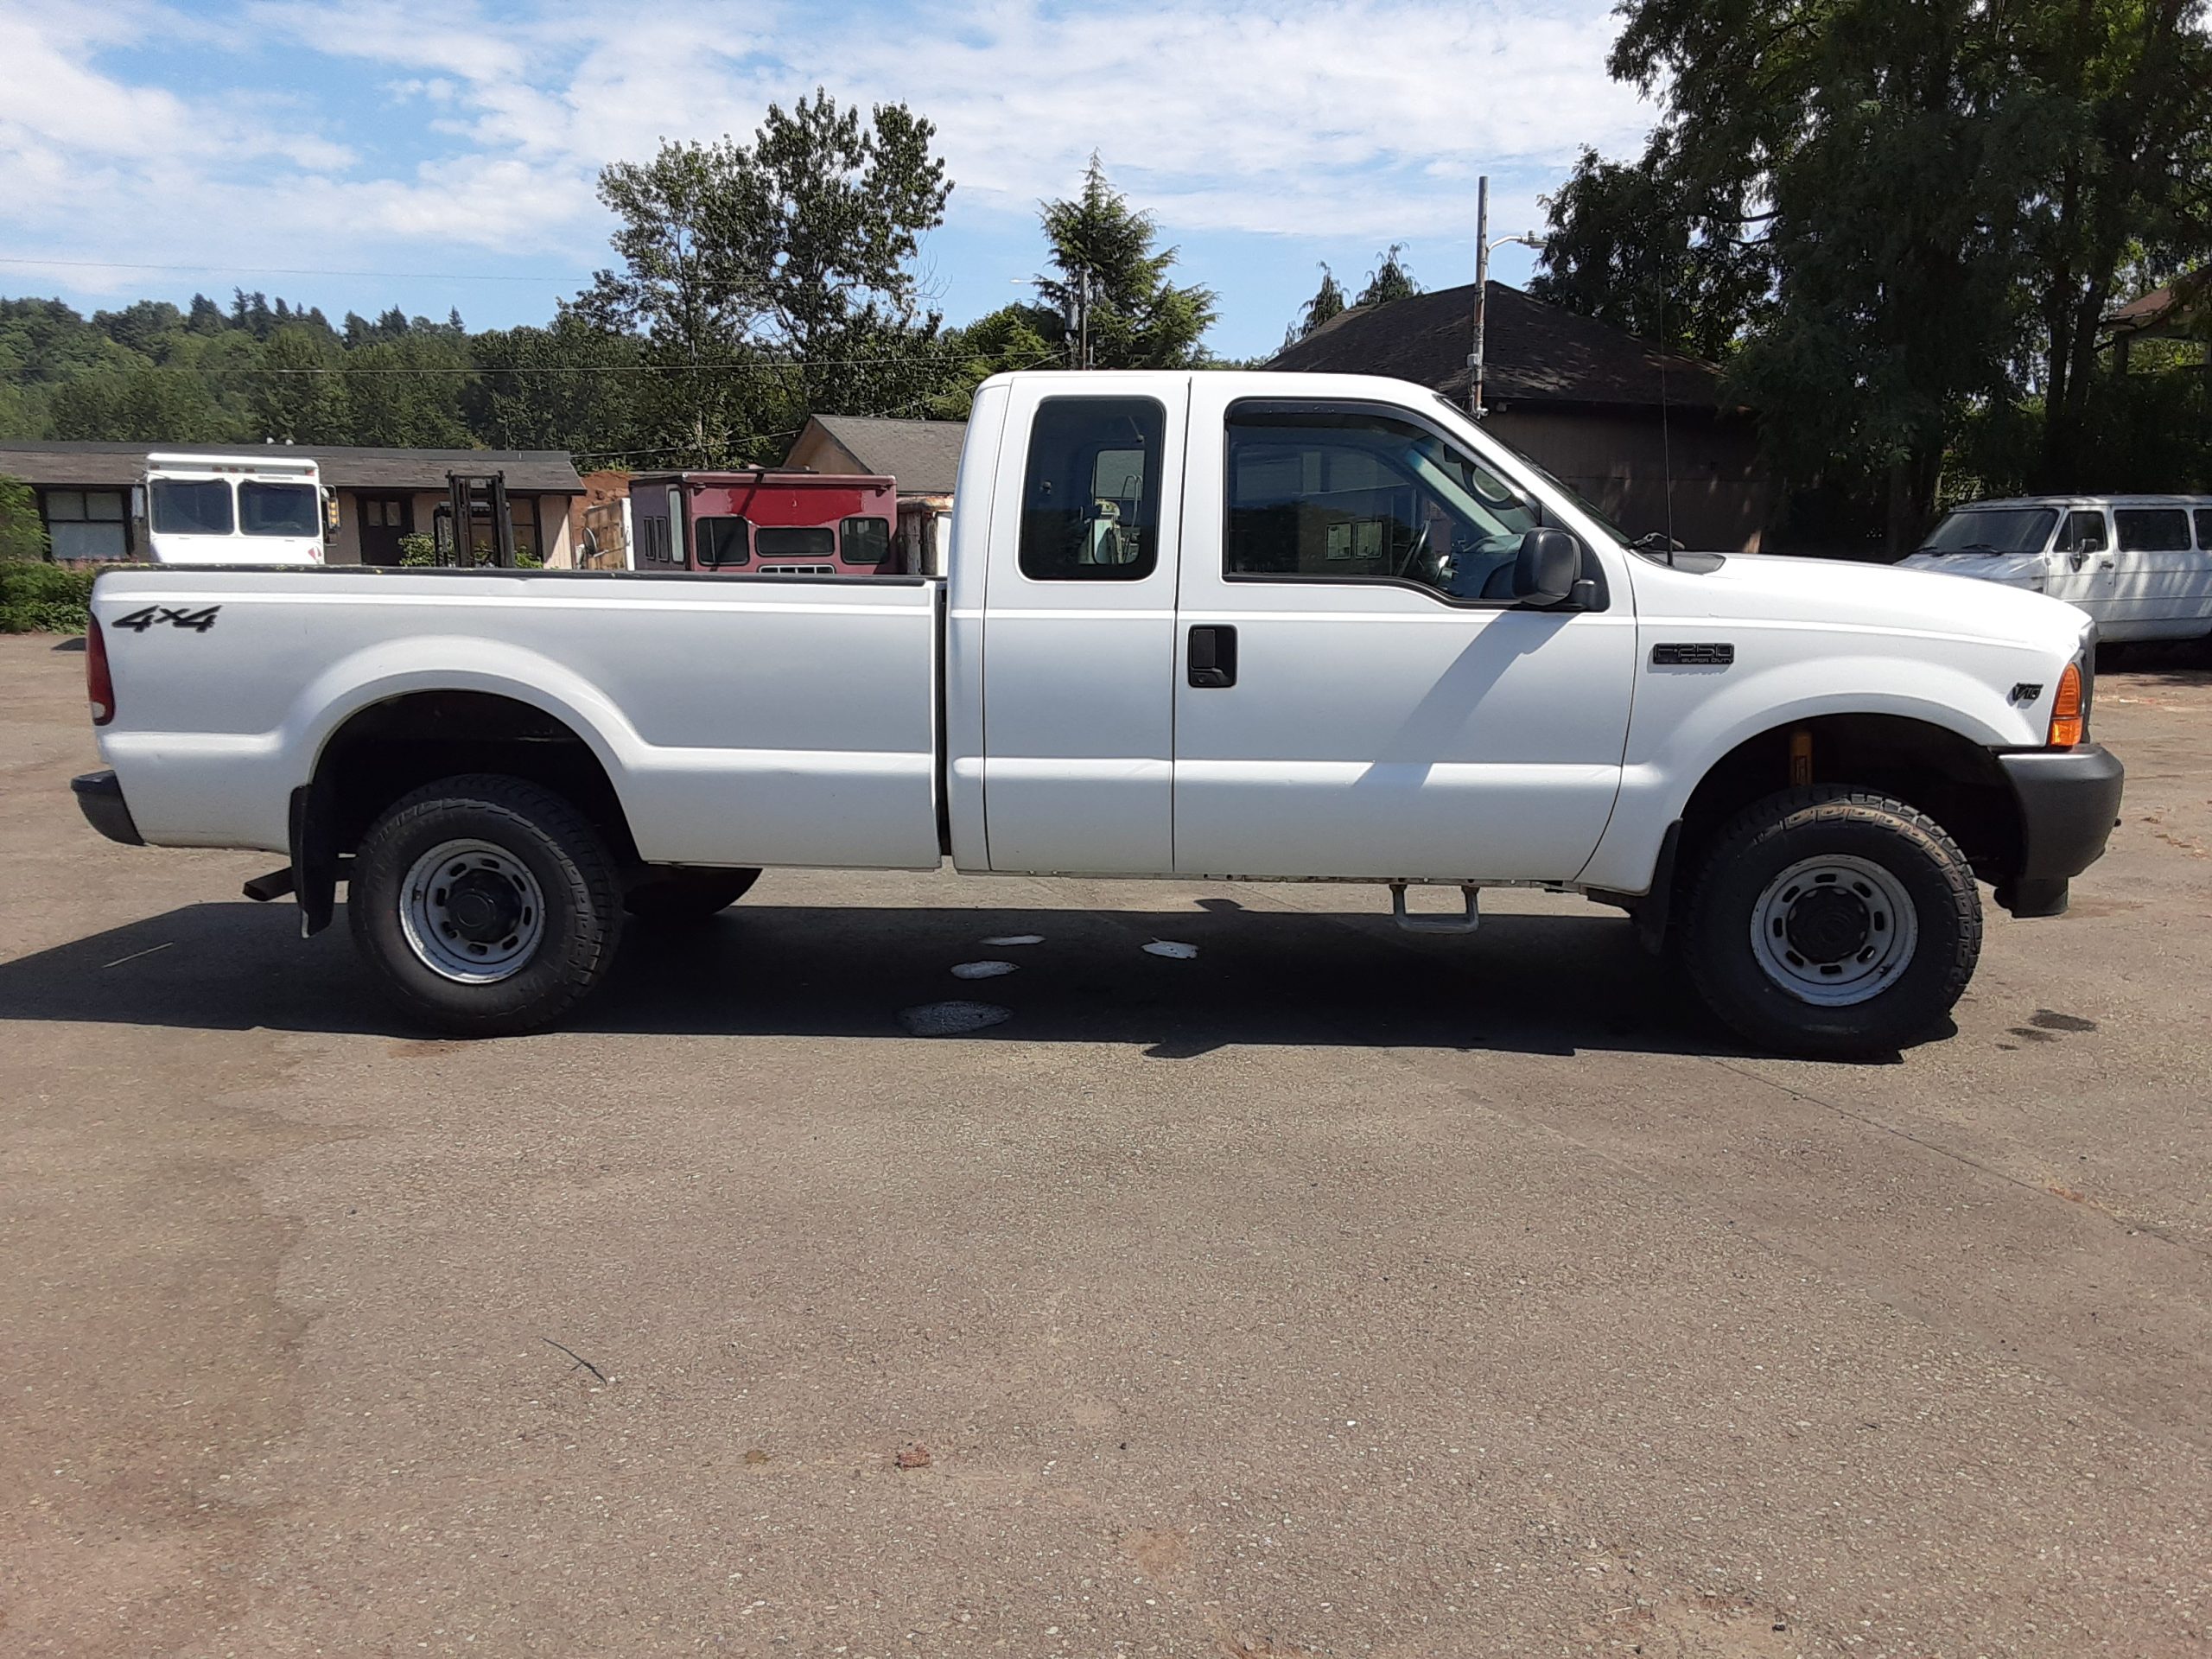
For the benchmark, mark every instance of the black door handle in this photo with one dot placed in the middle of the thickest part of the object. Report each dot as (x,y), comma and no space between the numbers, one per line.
(1213,656)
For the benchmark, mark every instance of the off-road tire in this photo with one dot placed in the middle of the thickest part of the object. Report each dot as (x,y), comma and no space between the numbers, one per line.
(677,898)
(565,854)
(1772,836)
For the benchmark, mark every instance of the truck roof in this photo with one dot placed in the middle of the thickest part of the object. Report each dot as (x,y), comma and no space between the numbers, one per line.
(296,465)
(783,478)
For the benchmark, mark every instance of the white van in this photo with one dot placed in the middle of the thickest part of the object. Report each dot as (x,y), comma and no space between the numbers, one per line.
(234,510)
(2140,564)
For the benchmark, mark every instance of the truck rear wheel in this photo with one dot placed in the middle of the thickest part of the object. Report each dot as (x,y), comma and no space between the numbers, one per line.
(673,896)
(485,905)
(1832,922)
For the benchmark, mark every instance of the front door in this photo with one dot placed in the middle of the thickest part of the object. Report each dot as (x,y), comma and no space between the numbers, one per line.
(1358,694)
(383,521)
(2081,562)
(1079,633)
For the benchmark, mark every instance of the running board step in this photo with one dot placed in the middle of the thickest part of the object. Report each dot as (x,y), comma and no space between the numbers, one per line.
(1466,924)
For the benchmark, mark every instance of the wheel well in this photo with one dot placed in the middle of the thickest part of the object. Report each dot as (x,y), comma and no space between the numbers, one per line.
(388,749)
(1952,779)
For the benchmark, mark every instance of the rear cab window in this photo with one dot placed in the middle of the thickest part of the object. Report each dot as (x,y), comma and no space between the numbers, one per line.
(1090,490)
(785,541)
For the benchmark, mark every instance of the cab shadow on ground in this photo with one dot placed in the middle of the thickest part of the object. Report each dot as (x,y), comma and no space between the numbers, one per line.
(1553,985)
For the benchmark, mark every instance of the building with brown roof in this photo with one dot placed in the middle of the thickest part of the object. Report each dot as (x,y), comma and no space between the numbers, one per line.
(1646,435)
(923,455)
(85,494)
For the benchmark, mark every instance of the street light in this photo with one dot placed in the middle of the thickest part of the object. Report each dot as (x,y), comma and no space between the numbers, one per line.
(1483,247)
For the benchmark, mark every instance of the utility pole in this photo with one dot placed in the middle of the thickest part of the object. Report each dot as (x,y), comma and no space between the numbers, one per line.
(1483,247)
(1482,292)
(1084,280)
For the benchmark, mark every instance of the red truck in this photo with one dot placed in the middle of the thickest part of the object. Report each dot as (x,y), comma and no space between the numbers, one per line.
(767,523)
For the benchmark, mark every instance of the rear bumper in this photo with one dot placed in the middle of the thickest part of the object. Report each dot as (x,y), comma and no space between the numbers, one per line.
(2068,801)
(99,797)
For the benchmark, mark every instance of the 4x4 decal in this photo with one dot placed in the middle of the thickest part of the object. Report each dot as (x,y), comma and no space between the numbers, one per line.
(153,616)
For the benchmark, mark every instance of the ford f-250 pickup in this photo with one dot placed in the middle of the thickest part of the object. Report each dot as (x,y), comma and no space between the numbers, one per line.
(1217,625)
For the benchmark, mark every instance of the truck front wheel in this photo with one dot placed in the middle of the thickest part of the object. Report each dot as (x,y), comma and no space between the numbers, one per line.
(485,905)
(1832,922)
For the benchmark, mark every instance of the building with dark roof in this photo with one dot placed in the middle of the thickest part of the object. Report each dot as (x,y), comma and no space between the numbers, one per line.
(1646,435)
(85,494)
(923,455)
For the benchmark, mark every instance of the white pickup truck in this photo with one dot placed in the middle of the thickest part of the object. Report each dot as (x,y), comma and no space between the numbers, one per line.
(1215,626)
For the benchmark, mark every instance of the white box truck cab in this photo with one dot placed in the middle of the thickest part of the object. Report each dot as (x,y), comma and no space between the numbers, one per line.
(1212,625)
(2139,565)
(234,510)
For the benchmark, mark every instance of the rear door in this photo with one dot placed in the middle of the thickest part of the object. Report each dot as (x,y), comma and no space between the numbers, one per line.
(2155,582)
(1078,634)
(1358,694)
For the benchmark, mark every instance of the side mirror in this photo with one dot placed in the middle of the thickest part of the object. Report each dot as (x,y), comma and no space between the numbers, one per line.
(1547,567)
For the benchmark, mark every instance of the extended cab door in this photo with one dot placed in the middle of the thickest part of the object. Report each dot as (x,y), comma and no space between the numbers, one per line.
(1357,694)
(1079,643)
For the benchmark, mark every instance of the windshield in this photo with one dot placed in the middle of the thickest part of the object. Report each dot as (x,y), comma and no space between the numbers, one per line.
(192,506)
(1992,530)
(277,509)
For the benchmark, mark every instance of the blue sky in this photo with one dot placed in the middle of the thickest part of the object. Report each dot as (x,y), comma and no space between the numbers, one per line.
(449,147)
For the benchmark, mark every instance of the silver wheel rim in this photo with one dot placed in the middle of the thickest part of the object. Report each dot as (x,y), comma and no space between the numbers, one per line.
(472,912)
(1834,931)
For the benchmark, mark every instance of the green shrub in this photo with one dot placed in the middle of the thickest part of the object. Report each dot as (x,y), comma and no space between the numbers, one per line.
(46,598)
(22,535)
(418,549)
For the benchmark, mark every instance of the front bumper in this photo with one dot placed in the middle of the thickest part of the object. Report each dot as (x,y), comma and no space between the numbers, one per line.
(2068,801)
(99,796)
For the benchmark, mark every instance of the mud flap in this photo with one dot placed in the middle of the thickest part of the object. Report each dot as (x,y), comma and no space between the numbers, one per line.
(314,857)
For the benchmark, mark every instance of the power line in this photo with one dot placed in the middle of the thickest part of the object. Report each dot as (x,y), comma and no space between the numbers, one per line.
(753,367)
(287,271)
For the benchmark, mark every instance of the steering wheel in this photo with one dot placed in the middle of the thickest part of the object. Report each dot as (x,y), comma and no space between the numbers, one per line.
(1415,555)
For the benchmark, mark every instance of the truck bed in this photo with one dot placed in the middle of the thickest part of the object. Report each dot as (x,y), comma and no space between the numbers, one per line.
(756,721)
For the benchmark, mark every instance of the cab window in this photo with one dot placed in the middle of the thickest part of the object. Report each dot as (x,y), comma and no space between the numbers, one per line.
(278,509)
(1090,493)
(864,541)
(192,506)
(2084,532)
(2151,530)
(1357,495)
(785,541)
(722,543)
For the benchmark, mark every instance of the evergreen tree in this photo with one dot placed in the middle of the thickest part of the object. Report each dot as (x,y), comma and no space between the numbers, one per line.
(1327,304)
(1136,318)
(296,396)
(1390,280)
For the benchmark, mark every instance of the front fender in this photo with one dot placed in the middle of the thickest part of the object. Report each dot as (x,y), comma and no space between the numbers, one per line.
(1687,719)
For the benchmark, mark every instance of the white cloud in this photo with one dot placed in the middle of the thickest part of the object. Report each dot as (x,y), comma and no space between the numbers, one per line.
(1362,119)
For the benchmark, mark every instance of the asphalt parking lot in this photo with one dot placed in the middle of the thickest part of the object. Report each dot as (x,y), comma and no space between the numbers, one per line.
(1335,1292)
